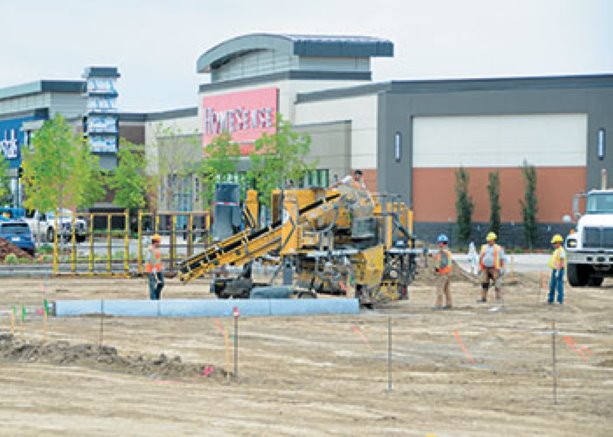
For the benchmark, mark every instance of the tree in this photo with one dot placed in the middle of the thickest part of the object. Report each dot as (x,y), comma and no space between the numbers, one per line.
(220,163)
(529,205)
(179,155)
(129,179)
(59,171)
(464,205)
(278,158)
(5,181)
(89,177)
(493,189)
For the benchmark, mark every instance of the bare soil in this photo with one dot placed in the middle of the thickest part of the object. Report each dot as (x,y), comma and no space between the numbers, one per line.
(309,376)
(6,248)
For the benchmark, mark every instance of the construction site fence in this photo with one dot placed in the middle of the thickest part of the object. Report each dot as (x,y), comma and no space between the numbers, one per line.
(115,244)
(386,340)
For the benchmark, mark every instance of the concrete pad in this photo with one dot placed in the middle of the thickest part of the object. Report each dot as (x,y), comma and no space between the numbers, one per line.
(213,308)
(69,308)
(298,307)
(208,307)
(132,308)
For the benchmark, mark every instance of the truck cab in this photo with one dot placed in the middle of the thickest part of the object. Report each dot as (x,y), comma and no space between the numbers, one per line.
(43,225)
(590,248)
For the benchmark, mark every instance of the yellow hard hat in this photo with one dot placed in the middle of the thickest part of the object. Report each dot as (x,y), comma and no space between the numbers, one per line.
(156,237)
(557,238)
(491,236)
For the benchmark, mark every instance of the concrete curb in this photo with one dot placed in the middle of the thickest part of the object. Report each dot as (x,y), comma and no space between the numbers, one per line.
(206,307)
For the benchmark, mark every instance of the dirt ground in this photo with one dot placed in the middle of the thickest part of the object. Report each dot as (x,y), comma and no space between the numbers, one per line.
(310,375)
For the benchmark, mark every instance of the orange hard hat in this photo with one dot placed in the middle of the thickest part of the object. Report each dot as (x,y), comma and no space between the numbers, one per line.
(156,237)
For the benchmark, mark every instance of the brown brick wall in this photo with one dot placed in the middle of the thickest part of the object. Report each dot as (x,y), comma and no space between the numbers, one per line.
(434,193)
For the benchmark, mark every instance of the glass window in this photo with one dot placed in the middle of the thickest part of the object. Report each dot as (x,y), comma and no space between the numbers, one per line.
(397,146)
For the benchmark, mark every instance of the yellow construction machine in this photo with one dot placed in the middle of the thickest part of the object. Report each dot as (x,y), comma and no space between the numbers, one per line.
(343,241)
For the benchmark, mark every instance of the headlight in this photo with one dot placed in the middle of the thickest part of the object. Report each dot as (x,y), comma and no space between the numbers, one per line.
(571,242)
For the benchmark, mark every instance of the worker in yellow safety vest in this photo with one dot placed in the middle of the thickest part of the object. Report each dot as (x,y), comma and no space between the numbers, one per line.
(155,268)
(442,269)
(557,263)
(491,265)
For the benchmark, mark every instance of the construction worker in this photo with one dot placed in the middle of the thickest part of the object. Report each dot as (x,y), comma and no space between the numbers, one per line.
(491,265)
(356,181)
(443,268)
(154,268)
(557,262)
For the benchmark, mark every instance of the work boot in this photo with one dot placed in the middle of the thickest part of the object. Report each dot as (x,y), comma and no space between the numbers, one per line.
(483,297)
(437,307)
(447,307)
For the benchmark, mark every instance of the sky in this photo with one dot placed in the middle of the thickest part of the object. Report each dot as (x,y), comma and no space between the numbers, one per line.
(155,43)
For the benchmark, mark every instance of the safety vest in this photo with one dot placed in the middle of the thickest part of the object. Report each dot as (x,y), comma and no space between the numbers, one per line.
(497,261)
(558,259)
(154,260)
(443,262)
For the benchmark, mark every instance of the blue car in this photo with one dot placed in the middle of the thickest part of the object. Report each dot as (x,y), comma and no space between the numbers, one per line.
(18,233)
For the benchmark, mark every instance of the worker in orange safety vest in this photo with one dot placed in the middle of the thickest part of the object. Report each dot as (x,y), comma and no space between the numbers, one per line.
(155,268)
(442,269)
(491,265)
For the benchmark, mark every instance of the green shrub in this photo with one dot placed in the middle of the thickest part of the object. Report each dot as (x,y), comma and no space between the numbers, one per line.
(464,205)
(45,248)
(11,258)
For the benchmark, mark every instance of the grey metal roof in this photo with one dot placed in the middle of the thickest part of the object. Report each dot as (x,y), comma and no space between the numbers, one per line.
(42,86)
(157,116)
(459,85)
(101,72)
(286,75)
(299,45)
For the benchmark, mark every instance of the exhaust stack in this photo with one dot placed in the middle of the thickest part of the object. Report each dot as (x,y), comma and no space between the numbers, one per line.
(603,179)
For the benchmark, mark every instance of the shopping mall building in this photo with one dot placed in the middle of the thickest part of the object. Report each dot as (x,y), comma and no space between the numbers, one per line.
(408,137)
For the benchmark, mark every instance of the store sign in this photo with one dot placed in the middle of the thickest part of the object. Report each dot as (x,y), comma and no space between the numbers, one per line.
(102,124)
(103,144)
(101,119)
(244,115)
(101,104)
(12,139)
(9,144)
(104,85)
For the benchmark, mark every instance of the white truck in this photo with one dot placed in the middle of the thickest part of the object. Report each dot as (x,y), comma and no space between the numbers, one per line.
(43,226)
(590,248)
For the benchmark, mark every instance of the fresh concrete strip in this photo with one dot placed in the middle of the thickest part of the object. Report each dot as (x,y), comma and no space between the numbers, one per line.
(206,307)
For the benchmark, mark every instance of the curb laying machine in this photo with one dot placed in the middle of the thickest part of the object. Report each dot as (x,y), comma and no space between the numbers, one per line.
(341,241)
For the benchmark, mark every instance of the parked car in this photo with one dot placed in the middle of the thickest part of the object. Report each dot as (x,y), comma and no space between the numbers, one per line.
(43,225)
(18,233)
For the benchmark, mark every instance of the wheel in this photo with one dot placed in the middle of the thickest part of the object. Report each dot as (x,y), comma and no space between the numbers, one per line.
(595,281)
(577,275)
(50,235)
(80,239)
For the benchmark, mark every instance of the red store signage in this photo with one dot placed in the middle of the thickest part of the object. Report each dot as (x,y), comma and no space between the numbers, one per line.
(246,115)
